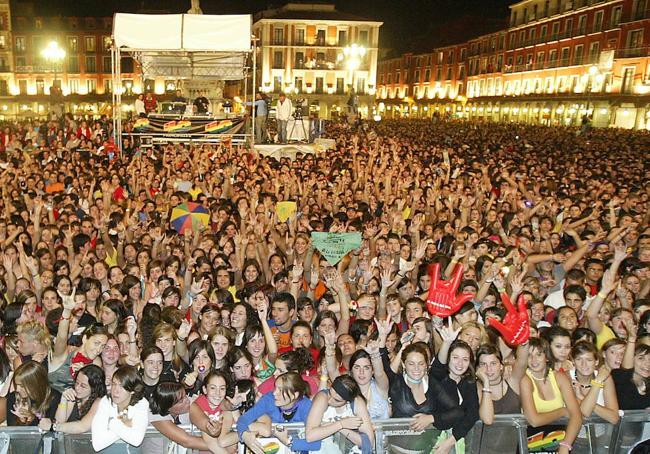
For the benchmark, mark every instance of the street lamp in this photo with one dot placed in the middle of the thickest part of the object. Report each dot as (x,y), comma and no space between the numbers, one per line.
(353,55)
(53,54)
(593,73)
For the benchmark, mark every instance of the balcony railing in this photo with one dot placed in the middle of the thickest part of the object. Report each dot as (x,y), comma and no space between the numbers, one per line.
(508,433)
(632,52)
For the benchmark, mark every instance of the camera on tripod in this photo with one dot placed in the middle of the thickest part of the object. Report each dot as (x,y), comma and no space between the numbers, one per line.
(300,108)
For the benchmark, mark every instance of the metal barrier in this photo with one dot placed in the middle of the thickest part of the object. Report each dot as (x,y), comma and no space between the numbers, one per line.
(508,434)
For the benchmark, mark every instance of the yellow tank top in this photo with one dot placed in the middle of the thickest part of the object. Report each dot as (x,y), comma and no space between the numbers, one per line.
(542,405)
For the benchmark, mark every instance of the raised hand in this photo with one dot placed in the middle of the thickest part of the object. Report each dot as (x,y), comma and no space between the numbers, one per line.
(330,339)
(372,347)
(515,327)
(131,327)
(68,300)
(263,309)
(620,252)
(448,333)
(442,299)
(422,249)
(297,270)
(238,398)
(184,330)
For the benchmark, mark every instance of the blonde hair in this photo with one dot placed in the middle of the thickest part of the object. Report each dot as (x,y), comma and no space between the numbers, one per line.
(35,330)
(485,339)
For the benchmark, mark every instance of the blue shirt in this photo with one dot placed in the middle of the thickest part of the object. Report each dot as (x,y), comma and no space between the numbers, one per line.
(260,108)
(266,406)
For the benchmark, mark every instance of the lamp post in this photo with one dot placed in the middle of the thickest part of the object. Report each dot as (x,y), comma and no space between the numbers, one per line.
(53,54)
(353,55)
(592,73)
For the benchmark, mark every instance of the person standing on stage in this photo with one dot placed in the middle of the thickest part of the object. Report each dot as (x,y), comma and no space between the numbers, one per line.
(140,109)
(201,104)
(150,103)
(178,100)
(283,111)
(261,112)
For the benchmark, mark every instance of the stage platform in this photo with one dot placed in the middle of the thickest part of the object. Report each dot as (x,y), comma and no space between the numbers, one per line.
(289,150)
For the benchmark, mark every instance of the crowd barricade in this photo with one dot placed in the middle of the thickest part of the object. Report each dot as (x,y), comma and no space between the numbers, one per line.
(507,434)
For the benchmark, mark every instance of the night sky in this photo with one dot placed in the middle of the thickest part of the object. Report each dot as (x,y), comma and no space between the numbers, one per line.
(414,25)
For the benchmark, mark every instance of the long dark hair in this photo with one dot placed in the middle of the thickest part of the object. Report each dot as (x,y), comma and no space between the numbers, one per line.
(131,381)
(164,396)
(97,384)
(300,360)
(459,344)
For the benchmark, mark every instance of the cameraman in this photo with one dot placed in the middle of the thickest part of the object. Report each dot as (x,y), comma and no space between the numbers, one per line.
(283,111)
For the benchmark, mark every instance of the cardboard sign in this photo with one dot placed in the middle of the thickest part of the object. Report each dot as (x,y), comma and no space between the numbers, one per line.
(285,210)
(334,246)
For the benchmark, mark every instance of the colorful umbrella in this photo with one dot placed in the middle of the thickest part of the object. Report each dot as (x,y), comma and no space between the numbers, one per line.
(189,215)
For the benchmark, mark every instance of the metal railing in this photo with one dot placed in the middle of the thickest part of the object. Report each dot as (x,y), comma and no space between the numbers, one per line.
(508,433)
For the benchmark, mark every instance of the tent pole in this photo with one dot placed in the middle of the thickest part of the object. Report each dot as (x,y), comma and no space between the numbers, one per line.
(254,84)
(118,89)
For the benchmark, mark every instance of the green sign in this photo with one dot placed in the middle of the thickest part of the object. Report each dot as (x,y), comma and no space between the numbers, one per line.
(334,246)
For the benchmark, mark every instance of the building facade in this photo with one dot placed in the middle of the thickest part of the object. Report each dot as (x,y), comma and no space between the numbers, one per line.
(82,78)
(557,62)
(315,53)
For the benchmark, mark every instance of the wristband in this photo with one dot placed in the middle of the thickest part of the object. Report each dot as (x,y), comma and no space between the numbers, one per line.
(324,378)
(597,383)
(487,390)
(602,295)
(566,444)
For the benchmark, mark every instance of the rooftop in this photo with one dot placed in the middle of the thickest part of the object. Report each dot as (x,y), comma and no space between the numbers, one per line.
(310,11)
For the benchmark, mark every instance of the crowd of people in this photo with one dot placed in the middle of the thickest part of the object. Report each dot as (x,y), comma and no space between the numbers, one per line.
(112,320)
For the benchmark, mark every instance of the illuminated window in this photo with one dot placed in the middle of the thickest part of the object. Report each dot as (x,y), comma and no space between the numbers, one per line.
(90,44)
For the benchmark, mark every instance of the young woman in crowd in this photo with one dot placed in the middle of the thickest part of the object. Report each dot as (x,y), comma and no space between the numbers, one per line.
(89,387)
(33,402)
(165,337)
(66,360)
(289,402)
(593,384)
(169,401)
(547,395)
(498,392)
(340,409)
(206,412)
(201,363)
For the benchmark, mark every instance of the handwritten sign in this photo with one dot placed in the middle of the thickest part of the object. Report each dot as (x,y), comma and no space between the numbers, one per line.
(285,210)
(334,246)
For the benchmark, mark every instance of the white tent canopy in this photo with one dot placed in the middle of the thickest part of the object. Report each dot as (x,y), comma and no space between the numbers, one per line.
(183,32)
(182,46)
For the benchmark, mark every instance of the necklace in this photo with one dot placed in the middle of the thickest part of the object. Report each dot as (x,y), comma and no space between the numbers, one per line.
(538,379)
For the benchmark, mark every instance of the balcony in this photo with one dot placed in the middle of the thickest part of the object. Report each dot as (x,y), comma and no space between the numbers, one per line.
(632,52)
